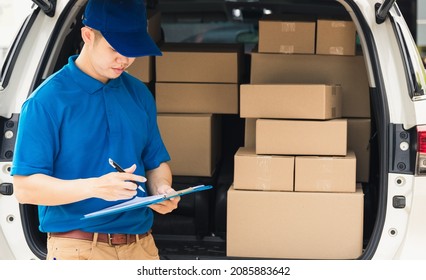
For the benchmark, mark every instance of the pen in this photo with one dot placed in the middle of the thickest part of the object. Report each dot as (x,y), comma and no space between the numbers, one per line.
(119,169)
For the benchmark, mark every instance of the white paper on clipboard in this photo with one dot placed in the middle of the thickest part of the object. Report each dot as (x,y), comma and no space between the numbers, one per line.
(138,202)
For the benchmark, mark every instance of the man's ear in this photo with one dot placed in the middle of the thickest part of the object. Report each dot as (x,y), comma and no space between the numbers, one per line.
(87,34)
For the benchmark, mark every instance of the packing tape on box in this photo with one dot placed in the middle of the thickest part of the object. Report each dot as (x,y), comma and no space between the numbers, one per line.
(336,50)
(264,169)
(288,27)
(338,24)
(287,49)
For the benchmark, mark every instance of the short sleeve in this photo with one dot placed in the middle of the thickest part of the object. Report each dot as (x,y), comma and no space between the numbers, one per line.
(37,140)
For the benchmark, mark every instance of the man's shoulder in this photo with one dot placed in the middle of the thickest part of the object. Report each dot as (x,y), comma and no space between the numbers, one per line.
(54,88)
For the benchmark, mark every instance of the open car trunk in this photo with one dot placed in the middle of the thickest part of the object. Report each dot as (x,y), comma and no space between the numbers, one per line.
(207,224)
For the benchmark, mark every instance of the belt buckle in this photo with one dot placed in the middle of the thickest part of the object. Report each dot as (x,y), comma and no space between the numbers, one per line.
(109,239)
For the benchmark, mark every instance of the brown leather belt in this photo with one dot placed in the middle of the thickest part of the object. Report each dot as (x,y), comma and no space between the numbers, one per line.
(111,239)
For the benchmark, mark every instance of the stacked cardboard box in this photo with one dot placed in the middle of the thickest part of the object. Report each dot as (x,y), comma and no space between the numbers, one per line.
(263,172)
(296,161)
(335,37)
(343,68)
(294,101)
(301,225)
(195,85)
(301,35)
(302,196)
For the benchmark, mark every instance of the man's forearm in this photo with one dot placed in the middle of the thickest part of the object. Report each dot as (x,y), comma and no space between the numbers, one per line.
(159,179)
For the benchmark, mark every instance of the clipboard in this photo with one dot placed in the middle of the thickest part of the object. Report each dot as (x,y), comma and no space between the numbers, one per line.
(138,202)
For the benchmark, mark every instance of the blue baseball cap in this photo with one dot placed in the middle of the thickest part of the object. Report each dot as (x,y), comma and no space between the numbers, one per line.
(123,24)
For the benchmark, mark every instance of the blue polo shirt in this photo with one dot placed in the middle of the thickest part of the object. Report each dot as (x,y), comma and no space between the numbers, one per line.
(71,125)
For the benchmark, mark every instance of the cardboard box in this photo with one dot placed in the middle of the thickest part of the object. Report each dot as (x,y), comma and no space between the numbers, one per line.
(296,225)
(197,98)
(283,36)
(359,141)
(298,137)
(336,37)
(262,172)
(290,101)
(200,63)
(317,69)
(143,68)
(193,142)
(325,174)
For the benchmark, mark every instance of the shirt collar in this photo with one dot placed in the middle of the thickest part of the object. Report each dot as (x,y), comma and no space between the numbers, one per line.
(86,82)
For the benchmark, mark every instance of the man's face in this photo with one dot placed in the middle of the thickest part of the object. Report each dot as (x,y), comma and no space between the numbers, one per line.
(106,62)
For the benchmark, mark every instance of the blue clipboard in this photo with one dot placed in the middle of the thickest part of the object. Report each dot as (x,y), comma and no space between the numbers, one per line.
(138,202)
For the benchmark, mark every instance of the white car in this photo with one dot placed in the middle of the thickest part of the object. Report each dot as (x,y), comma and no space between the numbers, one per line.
(394,189)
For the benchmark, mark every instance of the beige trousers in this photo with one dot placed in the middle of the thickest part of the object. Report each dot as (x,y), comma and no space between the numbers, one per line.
(60,248)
